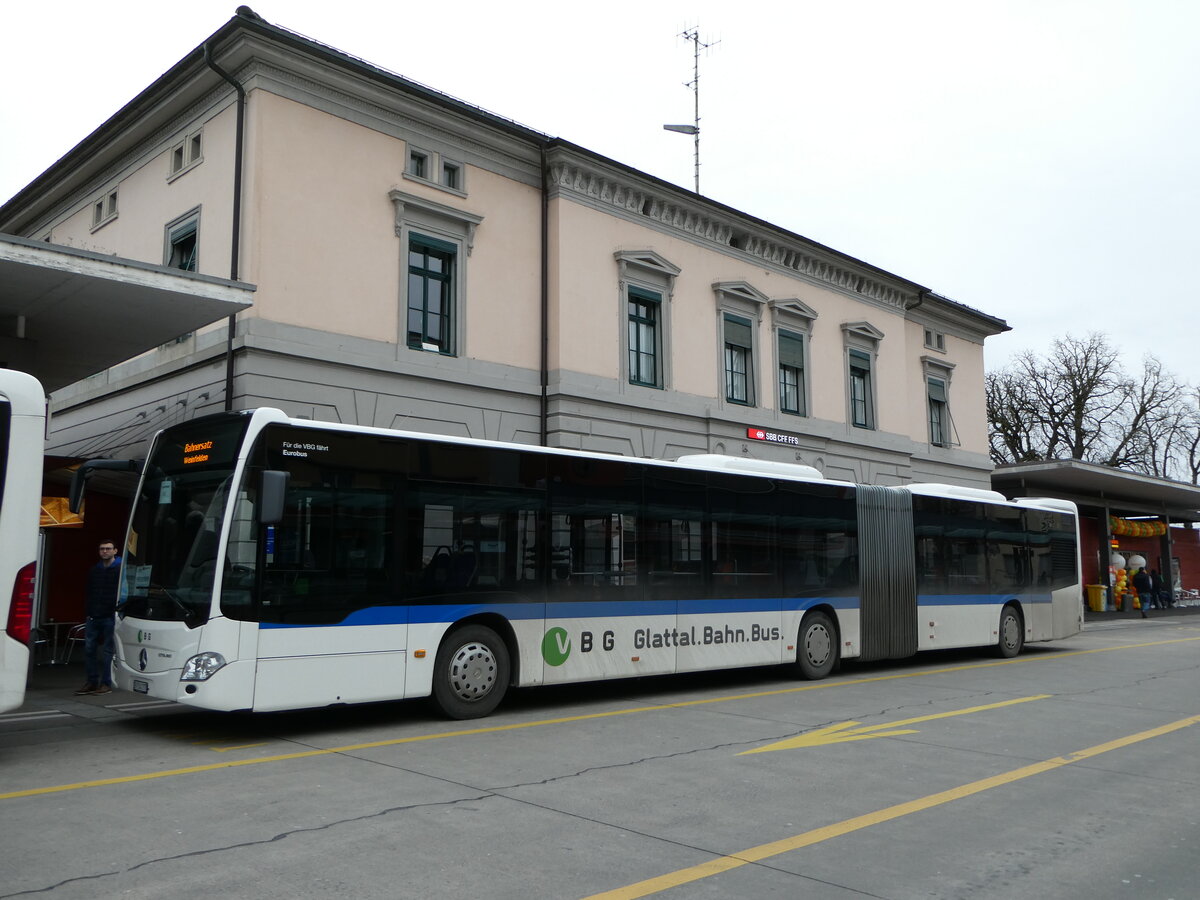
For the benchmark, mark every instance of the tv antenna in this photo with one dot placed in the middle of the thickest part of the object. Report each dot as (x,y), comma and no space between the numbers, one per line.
(693,35)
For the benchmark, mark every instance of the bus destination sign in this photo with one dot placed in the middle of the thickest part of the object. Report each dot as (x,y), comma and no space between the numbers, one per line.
(772,437)
(196,453)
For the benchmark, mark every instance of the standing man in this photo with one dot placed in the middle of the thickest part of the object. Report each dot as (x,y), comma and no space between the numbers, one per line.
(1144,588)
(103,588)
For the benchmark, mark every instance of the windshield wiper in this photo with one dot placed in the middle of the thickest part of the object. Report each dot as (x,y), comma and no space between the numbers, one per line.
(189,614)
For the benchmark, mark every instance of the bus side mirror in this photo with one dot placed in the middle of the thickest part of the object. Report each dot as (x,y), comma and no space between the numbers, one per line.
(272,496)
(84,472)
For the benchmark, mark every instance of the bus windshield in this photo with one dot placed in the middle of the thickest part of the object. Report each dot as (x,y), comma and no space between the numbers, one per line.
(172,553)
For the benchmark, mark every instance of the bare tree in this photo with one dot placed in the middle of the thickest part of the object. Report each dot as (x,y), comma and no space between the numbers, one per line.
(1014,434)
(1167,408)
(1079,403)
(1185,449)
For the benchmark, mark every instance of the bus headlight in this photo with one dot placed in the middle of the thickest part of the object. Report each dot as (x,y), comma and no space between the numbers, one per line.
(202,667)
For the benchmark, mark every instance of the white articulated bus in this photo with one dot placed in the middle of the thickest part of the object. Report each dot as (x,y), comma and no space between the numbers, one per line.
(22,436)
(275,563)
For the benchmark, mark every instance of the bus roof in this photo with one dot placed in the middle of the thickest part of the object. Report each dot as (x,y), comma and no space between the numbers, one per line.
(697,461)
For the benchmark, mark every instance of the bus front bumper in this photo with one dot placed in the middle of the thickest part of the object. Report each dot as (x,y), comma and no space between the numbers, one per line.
(230,688)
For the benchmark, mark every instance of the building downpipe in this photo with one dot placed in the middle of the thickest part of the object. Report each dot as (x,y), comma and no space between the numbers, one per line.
(237,211)
(544,406)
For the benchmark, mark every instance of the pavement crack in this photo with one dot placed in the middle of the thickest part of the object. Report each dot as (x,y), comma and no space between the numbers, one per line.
(281,836)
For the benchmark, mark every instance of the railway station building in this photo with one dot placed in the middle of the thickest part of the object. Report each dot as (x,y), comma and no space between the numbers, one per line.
(422,264)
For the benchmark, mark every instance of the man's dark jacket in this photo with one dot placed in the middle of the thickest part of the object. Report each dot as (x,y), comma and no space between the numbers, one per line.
(103,586)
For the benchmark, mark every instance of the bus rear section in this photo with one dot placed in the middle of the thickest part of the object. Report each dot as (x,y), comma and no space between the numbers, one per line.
(22,434)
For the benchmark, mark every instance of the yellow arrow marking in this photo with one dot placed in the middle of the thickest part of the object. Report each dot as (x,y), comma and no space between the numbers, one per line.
(845,731)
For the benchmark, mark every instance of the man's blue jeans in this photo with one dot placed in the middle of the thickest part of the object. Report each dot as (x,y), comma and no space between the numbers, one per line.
(98,650)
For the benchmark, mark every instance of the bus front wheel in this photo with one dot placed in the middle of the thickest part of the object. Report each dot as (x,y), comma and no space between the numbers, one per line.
(1012,633)
(470,675)
(817,652)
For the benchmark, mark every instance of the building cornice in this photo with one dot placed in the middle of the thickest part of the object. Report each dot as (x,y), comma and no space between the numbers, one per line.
(639,200)
(603,185)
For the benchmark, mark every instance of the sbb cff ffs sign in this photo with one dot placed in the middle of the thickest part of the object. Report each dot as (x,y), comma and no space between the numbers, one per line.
(772,437)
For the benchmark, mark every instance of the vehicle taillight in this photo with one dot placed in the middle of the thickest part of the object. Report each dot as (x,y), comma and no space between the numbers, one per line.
(20,611)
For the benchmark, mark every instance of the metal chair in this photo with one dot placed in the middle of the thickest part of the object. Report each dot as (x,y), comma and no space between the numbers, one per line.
(74,636)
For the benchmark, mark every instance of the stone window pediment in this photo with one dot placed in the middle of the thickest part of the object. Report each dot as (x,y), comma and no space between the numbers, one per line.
(740,289)
(647,266)
(792,312)
(937,367)
(411,209)
(862,331)
(740,297)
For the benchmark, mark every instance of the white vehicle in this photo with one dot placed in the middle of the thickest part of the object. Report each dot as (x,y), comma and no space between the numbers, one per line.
(276,563)
(22,434)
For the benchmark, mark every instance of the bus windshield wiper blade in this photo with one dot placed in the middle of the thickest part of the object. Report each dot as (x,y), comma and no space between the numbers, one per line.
(188,612)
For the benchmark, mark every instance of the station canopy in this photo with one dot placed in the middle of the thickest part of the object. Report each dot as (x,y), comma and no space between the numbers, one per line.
(1101,489)
(67,313)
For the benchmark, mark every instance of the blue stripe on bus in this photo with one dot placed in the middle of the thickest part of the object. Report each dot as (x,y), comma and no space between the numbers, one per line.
(430,613)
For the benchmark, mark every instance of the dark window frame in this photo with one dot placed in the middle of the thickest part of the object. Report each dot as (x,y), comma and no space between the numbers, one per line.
(738,358)
(862,398)
(644,316)
(183,245)
(790,348)
(444,277)
(939,411)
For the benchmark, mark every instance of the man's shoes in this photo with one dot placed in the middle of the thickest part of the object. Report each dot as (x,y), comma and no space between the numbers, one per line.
(103,689)
(86,689)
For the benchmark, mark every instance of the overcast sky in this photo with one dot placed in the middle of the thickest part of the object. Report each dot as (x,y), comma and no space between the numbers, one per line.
(1034,159)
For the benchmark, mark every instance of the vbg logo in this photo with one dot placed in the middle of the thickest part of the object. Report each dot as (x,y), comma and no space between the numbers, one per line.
(556,646)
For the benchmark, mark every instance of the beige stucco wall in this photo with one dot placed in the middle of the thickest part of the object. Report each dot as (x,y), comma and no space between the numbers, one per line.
(504,277)
(148,200)
(968,395)
(320,242)
(968,406)
(324,249)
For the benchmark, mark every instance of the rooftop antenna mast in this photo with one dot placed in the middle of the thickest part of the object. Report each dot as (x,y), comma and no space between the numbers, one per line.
(693,35)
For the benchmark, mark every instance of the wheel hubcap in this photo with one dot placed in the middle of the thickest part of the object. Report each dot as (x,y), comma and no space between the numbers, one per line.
(1010,631)
(817,645)
(473,671)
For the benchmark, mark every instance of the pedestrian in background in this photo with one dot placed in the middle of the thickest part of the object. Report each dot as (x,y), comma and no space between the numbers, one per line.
(1162,597)
(1144,588)
(103,588)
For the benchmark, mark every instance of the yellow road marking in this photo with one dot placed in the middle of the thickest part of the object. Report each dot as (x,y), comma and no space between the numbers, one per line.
(845,731)
(683,704)
(857,823)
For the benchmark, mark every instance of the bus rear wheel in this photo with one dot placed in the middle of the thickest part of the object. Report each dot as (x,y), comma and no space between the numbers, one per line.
(470,673)
(817,651)
(1012,633)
